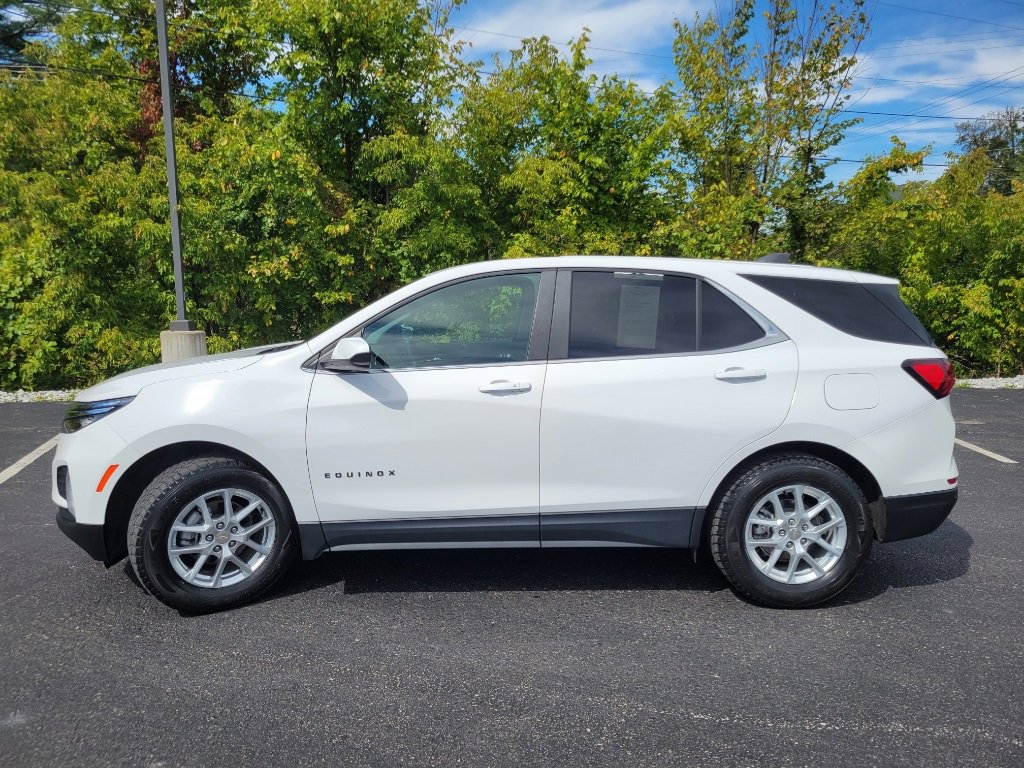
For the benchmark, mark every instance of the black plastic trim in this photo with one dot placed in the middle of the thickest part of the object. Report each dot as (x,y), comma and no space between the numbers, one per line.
(88,537)
(673,528)
(906,517)
(541,333)
(312,540)
(523,529)
(558,346)
(631,527)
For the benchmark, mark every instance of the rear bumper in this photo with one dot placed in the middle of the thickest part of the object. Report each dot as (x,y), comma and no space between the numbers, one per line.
(904,517)
(88,537)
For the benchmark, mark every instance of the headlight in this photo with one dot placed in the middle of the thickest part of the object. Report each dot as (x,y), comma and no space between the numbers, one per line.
(81,415)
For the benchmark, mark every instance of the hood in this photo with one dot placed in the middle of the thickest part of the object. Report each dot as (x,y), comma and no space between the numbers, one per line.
(130,383)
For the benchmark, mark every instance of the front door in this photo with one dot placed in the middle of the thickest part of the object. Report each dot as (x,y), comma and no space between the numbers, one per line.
(438,442)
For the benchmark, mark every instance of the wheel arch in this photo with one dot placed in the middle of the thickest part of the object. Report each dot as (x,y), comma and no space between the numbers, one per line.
(141,473)
(861,475)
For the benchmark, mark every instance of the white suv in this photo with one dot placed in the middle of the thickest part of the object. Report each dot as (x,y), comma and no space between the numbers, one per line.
(784,416)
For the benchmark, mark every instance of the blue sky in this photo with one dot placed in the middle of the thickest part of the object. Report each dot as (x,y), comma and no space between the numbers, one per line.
(939,58)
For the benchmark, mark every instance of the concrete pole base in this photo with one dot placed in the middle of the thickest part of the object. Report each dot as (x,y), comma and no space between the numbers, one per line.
(179,345)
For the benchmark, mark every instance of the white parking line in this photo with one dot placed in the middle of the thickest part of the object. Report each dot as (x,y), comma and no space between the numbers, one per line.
(24,461)
(982,451)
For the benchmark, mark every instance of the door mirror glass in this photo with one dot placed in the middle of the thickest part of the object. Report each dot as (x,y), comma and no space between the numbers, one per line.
(351,354)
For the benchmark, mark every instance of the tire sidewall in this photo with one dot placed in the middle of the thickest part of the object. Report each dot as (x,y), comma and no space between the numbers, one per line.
(852,506)
(156,528)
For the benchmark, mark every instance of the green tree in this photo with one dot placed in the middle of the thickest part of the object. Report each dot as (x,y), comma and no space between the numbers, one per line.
(84,244)
(21,23)
(754,123)
(566,162)
(1000,135)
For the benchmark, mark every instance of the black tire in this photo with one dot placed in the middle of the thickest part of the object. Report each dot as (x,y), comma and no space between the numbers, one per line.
(168,495)
(737,506)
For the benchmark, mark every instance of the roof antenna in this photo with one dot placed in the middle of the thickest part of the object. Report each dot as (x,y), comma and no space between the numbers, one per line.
(775,258)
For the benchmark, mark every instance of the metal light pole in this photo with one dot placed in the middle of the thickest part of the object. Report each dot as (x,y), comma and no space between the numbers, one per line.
(182,340)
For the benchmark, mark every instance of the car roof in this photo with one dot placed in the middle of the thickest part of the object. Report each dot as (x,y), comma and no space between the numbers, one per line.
(708,267)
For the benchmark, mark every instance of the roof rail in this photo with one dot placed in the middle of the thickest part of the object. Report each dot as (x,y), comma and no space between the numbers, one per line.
(775,258)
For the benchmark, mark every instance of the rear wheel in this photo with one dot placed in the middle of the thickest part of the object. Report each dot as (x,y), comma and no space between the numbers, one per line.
(791,531)
(209,534)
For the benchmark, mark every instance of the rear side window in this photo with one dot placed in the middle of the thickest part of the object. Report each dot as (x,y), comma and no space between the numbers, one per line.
(616,314)
(613,314)
(868,311)
(723,324)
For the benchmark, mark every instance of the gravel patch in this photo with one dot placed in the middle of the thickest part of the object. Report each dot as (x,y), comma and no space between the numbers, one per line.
(42,396)
(1014,382)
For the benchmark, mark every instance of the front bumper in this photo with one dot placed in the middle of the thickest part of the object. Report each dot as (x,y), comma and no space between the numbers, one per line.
(89,537)
(905,517)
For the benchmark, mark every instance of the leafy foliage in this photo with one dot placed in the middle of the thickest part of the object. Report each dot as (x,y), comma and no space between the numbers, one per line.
(1001,137)
(20,24)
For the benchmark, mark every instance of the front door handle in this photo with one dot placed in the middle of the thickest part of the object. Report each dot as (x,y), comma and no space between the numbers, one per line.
(742,374)
(505,387)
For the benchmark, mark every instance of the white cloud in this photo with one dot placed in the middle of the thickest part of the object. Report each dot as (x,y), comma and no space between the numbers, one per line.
(630,24)
(631,38)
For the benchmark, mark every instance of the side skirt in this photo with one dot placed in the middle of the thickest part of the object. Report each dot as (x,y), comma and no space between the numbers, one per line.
(676,528)
(621,528)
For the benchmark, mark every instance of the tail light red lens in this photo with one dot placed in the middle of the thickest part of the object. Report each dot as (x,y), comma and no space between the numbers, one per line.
(937,376)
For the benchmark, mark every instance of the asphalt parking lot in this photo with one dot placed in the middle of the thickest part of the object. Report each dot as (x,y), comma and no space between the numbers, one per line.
(573,657)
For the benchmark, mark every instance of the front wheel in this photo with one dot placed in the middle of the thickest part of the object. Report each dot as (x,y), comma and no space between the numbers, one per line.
(210,533)
(791,531)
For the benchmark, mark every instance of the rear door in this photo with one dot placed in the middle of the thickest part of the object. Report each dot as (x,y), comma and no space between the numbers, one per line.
(654,379)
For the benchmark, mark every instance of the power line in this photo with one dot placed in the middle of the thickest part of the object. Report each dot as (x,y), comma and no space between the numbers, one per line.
(938,40)
(121,13)
(45,68)
(947,15)
(909,114)
(934,53)
(39,68)
(860,162)
(950,81)
(1004,77)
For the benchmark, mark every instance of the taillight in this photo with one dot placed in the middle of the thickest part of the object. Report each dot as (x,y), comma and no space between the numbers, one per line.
(936,376)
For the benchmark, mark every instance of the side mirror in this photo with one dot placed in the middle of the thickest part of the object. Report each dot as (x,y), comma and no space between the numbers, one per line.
(351,355)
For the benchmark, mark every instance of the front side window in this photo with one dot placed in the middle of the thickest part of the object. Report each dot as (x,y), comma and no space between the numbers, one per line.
(487,320)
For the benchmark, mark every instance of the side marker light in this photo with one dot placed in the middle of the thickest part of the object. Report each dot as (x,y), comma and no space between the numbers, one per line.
(106,476)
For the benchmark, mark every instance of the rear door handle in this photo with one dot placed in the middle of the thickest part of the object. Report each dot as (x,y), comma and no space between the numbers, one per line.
(742,374)
(505,387)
